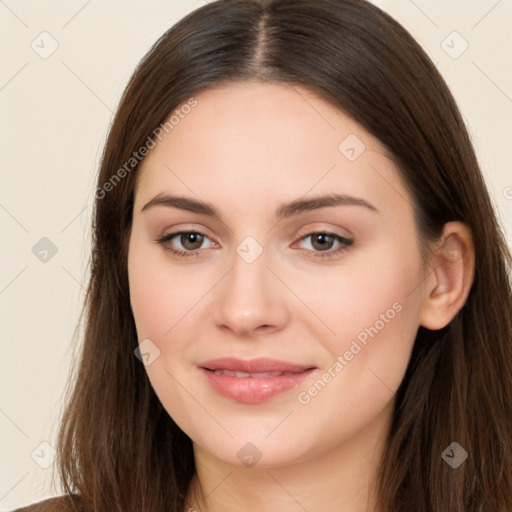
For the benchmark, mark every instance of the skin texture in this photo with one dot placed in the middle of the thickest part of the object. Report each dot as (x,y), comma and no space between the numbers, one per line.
(247,149)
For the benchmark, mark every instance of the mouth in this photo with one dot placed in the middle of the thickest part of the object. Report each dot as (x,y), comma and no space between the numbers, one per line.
(253,381)
(256,375)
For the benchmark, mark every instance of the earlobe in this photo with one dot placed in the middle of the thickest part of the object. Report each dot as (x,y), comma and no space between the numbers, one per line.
(451,276)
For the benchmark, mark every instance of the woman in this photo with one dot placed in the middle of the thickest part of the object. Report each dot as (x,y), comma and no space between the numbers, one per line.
(299,295)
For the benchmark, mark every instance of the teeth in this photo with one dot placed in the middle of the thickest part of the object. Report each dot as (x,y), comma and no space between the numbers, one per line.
(266,374)
(258,375)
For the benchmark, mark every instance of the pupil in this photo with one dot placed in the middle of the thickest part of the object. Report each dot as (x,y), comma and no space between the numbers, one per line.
(191,239)
(322,240)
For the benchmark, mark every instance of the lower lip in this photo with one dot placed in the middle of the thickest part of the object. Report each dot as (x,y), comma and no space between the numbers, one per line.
(252,390)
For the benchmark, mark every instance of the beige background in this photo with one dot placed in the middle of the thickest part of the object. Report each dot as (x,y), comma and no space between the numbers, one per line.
(54,116)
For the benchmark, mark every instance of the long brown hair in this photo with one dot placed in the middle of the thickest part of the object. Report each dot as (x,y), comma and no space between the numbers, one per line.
(119,450)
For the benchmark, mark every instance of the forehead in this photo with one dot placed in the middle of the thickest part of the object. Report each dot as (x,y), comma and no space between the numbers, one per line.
(265,142)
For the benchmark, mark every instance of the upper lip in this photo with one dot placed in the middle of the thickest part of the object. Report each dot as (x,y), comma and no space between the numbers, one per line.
(261,364)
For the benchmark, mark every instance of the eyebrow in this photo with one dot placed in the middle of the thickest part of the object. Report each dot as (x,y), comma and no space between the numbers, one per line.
(285,210)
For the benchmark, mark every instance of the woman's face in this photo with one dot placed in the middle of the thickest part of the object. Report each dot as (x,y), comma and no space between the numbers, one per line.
(281,328)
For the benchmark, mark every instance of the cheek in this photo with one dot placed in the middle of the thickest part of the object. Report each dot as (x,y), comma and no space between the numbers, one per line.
(160,294)
(374,313)
(151,303)
(160,297)
(166,300)
(374,317)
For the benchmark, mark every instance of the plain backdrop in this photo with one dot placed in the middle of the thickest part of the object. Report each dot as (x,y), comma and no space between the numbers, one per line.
(55,112)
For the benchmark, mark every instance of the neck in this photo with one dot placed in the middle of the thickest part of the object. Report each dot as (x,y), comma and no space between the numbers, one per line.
(341,479)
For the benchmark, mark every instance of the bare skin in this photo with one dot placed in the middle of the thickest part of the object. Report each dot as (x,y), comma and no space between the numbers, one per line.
(247,149)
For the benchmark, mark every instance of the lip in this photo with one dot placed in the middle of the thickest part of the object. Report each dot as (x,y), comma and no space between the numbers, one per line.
(253,389)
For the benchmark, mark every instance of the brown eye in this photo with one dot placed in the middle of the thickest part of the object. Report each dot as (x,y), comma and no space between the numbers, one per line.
(322,241)
(325,245)
(185,243)
(191,240)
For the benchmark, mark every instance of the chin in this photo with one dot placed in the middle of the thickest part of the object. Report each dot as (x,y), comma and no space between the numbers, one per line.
(251,448)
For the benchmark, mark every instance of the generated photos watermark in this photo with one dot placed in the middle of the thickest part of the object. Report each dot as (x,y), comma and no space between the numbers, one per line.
(356,346)
(137,156)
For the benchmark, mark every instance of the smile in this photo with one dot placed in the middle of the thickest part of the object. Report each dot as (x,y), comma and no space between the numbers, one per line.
(258,375)
(253,381)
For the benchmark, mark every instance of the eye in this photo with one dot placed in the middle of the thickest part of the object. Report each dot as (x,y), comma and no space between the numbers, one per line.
(325,244)
(190,242)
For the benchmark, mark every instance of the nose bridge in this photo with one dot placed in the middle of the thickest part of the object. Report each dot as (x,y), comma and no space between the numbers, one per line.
(250,295)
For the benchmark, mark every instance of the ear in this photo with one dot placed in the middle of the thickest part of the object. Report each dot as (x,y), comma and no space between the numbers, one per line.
(451,272)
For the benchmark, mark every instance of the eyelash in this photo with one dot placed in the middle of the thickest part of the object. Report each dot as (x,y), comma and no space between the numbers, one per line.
(345,243)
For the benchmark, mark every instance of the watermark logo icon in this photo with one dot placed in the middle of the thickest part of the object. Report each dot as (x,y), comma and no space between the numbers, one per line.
(147,352)
(44,455)
(44,250)
(351,147)
(249,249)
(249,455)
(45,45)
(454,45)
(454,455)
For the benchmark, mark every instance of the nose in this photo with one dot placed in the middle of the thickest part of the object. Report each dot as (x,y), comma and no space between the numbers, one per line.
(251,300)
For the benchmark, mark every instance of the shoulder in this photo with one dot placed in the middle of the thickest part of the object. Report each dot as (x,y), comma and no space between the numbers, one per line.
(58,504)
